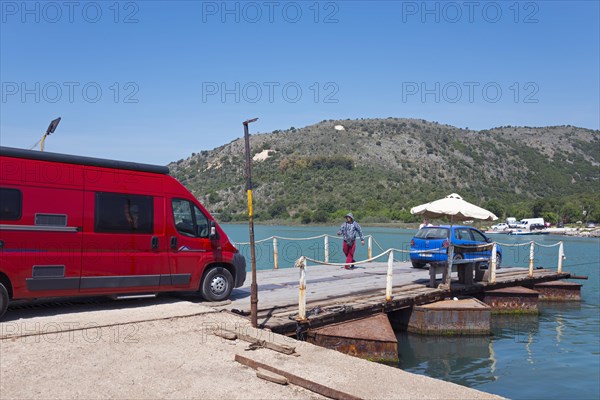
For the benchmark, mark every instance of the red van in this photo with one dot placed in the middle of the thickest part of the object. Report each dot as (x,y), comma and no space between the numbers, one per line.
(80,226)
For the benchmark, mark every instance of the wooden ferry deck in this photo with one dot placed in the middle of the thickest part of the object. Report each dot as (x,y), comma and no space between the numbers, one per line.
(334,294)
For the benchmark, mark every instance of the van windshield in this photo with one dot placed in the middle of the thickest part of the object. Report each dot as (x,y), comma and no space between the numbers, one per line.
(432,233)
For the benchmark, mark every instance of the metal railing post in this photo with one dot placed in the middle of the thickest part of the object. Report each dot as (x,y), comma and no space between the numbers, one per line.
(449,268)
(561,255)
(493,264)
(326,248)
(531,247)
(302,293)
(370,248)
(390,271)
(275,254)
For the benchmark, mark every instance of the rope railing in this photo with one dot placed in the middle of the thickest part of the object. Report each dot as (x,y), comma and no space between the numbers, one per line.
(302,264)
(275,241)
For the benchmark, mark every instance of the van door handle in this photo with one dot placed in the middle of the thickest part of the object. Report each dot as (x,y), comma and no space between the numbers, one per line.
(1,244)
(154,242)
(173,243)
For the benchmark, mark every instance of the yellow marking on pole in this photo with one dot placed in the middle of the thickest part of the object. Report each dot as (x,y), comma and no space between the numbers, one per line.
(249,202)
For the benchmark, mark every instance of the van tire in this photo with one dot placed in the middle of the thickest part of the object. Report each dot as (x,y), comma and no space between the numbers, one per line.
(217,284)
(3,300)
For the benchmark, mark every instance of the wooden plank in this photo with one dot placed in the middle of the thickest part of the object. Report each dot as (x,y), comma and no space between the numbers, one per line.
(297,380)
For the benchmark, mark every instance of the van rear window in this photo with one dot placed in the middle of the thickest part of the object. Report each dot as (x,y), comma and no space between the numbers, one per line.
(432,233)
(124,213)
(10,204)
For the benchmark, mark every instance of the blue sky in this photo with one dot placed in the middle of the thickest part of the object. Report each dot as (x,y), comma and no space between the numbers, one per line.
(154,81)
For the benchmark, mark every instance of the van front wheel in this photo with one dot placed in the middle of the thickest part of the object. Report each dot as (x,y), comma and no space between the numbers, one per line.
(217,284)
(3,300)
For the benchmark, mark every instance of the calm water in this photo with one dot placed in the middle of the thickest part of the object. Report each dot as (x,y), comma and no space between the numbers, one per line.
(555,355)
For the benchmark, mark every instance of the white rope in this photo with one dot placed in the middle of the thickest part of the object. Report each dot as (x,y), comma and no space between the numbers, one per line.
(294,239)
(514,245)
(381,248)
(283,238)
(256,241)
(378,245)
(547,245)
(527,244)
(344,264)
(299,239)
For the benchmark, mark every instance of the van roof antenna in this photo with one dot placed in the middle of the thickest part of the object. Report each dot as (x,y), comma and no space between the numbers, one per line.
(51,129)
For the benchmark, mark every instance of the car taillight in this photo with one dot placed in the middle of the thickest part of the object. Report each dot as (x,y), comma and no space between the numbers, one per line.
(446,243)
(412,242)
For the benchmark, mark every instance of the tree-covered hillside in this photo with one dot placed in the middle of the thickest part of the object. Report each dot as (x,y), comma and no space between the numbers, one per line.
(380,168)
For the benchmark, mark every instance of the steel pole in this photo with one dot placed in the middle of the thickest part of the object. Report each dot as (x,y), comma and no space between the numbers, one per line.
(253,285)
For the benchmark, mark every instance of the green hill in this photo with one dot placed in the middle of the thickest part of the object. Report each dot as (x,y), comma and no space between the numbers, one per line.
(380,168)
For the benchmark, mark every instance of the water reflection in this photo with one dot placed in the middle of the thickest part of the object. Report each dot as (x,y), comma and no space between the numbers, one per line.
(467,360)
(519,327)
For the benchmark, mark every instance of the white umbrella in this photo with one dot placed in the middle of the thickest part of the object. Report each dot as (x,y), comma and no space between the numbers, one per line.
(454,207)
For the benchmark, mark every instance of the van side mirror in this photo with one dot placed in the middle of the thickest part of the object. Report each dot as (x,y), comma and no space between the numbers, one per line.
(213,231)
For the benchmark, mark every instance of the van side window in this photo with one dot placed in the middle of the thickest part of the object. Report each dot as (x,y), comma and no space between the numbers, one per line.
(10,204)
(189,220)
(124,213)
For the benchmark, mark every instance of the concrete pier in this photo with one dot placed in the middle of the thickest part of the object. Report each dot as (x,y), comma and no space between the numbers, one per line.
(451,317)
(516,299)
(169,348)
(371,338)
(559,291)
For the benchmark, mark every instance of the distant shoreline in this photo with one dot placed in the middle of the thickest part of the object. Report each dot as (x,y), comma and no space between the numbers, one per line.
(569,231)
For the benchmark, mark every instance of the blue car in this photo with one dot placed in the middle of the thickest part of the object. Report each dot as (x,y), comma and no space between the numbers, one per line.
(438,237)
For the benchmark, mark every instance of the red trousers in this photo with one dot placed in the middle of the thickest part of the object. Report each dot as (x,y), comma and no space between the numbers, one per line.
(349,252)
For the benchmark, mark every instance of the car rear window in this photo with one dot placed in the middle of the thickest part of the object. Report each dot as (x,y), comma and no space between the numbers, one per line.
(432,233)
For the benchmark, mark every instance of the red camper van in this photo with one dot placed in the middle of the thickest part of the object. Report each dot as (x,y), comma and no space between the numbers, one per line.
(80,226)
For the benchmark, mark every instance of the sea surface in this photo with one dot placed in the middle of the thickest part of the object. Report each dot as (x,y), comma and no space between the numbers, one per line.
(553,355)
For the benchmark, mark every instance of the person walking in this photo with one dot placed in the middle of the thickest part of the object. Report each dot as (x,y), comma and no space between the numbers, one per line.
(349,230)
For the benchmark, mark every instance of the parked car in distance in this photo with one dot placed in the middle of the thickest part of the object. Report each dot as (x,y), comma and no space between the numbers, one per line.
(527,223)
(590,225)
(500,227)
(430,245)
(511,222)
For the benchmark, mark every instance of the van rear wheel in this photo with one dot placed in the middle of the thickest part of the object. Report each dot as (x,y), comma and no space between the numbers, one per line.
(217,284)
(3,300)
